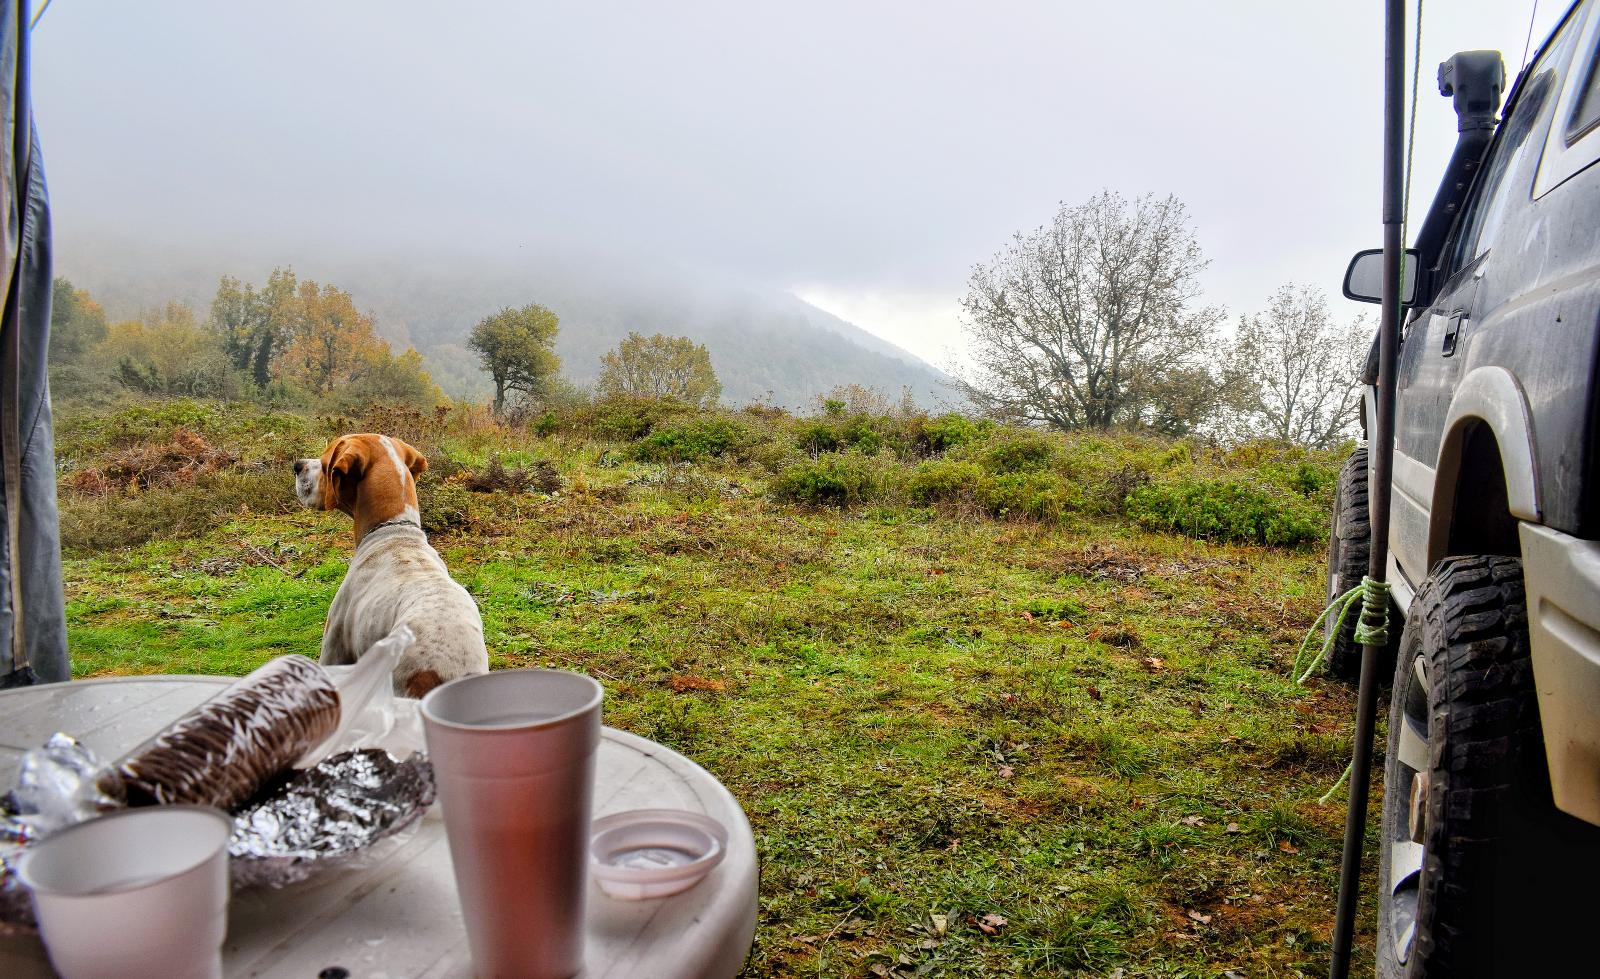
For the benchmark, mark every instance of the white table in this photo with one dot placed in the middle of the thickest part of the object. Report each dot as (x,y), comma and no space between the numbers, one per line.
(401,918)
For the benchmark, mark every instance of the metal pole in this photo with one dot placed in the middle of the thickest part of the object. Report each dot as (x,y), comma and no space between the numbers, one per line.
(1382,450)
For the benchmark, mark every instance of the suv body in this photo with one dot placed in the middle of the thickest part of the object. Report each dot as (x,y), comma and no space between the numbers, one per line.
(1497,424)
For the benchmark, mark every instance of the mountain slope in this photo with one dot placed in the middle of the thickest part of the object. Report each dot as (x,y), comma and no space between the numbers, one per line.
(765,343)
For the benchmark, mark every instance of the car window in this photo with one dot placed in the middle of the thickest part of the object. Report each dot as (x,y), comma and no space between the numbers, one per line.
(1587,113)
(1573,143)
(1505,180)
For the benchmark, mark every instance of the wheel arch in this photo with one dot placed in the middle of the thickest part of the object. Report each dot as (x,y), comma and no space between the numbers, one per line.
(1485,480)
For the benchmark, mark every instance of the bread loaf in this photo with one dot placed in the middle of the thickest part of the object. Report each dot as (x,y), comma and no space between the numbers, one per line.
(223,752)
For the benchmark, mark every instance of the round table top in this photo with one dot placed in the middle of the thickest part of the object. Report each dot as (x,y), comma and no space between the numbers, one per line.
(400,918)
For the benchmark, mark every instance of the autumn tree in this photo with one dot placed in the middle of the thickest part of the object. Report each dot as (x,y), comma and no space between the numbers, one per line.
(1293,371)
(332,342)
(517,350)
(77,323)
(1077,323)
(253,325)
(167,352)
(660,366)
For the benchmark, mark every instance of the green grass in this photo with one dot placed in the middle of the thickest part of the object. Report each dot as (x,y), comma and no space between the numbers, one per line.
(929,715)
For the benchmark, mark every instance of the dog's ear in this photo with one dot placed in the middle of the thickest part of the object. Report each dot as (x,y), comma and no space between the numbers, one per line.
(414,460)
(342,466)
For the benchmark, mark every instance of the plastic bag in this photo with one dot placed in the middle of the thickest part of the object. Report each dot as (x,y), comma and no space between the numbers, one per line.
(366,696)
(227,749)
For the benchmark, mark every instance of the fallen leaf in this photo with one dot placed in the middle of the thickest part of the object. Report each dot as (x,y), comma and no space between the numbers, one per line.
(1192,821)
(1233,827)
(990,924)
(1094,693)
(1287,847)
(940,923)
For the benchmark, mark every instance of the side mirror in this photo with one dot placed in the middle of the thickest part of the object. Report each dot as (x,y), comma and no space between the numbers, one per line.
(1363,280)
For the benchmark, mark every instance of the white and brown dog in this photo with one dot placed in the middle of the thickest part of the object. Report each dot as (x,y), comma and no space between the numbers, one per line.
(395,576)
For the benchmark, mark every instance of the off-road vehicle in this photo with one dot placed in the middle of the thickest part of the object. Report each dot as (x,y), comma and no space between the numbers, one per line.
(1492,782)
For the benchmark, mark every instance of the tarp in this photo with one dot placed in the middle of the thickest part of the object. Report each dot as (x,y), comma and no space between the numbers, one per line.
(33,629)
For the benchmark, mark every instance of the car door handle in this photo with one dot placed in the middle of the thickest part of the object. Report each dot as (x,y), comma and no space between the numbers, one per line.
(1452,331)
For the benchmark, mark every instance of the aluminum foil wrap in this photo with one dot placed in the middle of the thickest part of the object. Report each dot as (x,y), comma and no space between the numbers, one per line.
(62,783)
(332,816)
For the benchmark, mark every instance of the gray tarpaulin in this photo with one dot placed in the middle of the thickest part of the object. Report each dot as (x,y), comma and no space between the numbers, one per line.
(30,551)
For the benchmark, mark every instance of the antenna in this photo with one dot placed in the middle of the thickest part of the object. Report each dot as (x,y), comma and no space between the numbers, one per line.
(1528,41)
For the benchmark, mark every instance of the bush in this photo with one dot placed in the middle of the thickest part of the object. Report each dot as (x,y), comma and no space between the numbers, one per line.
(626,417)
(1228,509)
(698,438)
(816,436)
(836,479)
(936,435)
(945,481)
(1036,495)
(1018,452)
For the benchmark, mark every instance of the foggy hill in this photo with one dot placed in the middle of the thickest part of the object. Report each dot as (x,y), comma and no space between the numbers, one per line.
(765,343)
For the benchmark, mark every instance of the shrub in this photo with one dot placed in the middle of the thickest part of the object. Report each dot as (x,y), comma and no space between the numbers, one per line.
(835,479)
(936,435)
(1018,452)
(1228,509)
(946,481)
(816,436)
(1036,495)
(628,417)
(695,439)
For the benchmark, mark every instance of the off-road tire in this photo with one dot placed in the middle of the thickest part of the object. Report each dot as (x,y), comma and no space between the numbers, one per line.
(1497,889)
(1349,549)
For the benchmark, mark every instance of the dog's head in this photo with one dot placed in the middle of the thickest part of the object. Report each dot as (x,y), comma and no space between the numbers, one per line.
(371,477)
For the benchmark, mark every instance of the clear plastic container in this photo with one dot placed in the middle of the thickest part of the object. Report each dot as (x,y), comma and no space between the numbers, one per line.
(649,853)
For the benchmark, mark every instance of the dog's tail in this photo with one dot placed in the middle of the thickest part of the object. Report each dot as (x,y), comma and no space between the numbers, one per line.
(421,682)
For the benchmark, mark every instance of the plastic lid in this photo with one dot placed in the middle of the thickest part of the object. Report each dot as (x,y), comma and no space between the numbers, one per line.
(646,853)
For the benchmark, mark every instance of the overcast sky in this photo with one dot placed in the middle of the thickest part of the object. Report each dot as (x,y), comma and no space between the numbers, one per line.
(862,154)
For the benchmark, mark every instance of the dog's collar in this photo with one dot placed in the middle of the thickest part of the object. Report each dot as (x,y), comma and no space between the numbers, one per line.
(392,524)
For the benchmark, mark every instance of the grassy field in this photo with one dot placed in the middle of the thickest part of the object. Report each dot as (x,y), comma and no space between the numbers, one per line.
(968,746)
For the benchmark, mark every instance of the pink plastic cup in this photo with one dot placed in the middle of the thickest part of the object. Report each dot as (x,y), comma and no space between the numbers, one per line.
(513,755)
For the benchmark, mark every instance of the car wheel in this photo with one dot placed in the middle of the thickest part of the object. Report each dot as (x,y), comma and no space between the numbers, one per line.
(1349,548)
(1478,872)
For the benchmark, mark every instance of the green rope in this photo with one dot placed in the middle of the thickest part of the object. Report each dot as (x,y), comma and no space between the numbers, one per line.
(1372,629)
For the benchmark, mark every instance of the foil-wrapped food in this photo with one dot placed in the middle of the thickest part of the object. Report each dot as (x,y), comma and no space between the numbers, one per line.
(327,817)
(236,752)
(224,751)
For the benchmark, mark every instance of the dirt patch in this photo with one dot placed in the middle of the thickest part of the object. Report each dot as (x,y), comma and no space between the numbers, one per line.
(179,461)
(539,477)
(1108,562)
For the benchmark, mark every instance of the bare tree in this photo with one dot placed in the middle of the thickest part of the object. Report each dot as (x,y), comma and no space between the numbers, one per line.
(1077,324)
(1293,371)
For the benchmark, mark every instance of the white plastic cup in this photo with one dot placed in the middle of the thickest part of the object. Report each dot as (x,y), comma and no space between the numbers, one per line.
(513,757)
(137,894)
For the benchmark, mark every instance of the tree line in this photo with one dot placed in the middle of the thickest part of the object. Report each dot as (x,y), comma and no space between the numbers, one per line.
(297,341)
(1095,320)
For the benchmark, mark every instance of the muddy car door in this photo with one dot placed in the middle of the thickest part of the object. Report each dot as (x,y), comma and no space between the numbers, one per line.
(1437,341)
